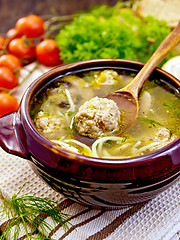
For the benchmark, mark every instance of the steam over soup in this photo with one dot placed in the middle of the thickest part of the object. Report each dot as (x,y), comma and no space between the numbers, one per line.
(58,113)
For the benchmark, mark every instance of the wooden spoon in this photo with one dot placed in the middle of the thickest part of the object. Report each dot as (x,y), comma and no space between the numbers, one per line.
(127,97)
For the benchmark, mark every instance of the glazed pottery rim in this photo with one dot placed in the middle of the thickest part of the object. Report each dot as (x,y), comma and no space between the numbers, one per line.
(78,157)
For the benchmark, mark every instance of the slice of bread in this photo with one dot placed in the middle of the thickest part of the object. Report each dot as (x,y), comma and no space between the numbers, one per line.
(168,10)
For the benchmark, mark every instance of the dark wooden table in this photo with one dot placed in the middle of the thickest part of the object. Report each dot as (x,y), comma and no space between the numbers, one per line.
(11,10)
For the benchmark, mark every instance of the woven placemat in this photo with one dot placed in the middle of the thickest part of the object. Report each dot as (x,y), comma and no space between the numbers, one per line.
(153,220)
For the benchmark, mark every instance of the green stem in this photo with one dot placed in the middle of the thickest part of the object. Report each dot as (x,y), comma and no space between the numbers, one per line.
(57,23)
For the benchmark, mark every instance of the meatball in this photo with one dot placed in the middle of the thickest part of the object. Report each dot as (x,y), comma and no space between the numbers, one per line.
(164,137)
(47,123)
(97,117)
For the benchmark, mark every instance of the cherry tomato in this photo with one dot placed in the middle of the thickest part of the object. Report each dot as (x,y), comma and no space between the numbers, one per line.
(31,26)
(10,61)
(8,80)
(22,50)
(12,33)
(2,42)
(48,53)
(8,103)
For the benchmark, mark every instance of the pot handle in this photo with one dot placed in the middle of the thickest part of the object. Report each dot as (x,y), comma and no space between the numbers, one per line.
(9,137)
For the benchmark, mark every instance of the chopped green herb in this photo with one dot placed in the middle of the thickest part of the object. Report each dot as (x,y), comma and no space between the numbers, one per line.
(60,87)
(73,127)
(124,139)
(149,121)
(108,143)
(170,105)
(71,113)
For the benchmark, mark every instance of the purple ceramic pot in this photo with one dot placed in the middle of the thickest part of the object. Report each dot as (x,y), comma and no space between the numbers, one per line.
(98,182)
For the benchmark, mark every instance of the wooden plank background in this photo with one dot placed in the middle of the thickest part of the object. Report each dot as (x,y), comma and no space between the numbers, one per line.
(11,10)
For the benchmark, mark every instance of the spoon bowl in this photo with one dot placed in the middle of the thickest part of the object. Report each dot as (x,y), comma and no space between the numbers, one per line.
(127,97)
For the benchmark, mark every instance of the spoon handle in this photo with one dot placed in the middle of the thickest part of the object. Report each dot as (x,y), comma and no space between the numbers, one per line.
(161,52)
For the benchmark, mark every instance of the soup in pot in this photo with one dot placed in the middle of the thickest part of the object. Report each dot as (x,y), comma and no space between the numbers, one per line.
(72,113)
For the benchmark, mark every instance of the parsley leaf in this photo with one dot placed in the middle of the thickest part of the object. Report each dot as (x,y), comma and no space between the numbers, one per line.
(111,32)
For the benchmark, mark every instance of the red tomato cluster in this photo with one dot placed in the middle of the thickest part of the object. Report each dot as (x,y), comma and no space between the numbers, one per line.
(22,45)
